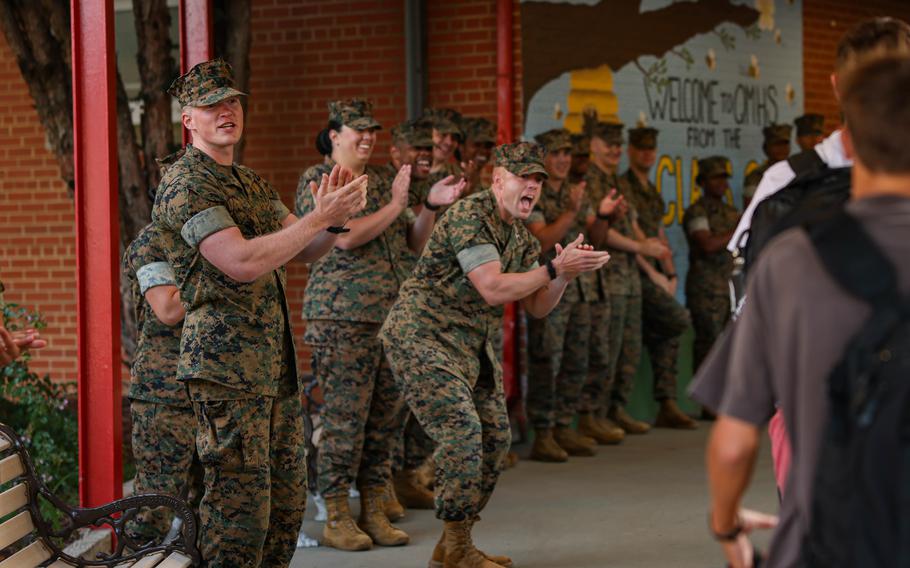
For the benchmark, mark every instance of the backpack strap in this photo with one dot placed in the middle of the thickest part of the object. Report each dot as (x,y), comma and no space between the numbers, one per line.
(806,162)
(853,259)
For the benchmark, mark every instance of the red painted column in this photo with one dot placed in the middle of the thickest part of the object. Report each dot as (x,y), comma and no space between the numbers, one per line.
(505,101)
(97,252)
(197,42)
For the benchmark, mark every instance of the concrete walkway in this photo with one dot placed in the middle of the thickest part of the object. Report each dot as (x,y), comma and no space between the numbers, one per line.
(641,504)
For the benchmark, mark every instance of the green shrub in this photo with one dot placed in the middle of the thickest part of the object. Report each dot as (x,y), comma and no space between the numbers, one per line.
(39,411)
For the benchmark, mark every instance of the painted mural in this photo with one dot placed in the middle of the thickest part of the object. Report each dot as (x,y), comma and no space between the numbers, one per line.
(709,74)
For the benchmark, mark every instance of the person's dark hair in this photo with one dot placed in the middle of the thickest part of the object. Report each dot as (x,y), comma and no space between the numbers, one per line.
(323,141)
(874,100)
(871,35)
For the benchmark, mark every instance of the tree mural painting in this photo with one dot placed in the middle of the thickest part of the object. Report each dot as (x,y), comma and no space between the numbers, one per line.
(616,33)
(709,74)
(38,34)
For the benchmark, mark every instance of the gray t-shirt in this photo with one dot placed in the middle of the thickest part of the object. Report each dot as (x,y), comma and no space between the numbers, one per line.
(791,334)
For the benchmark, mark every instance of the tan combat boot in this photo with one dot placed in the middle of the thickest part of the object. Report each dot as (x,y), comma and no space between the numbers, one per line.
(591,427)
(411,492)
(459,549)
(340,530)
(619,415)
(546,449)
(439,553)
(574,443)
(392,505)
(373,520)
(426,473)
(670,416)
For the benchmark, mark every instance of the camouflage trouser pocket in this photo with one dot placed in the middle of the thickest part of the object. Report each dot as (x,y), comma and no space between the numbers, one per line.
(225,435)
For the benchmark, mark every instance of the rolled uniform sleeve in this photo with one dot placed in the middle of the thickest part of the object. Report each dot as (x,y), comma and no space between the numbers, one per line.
(196,208)
(473,243)
(696,224)
(280,209)
(155,274)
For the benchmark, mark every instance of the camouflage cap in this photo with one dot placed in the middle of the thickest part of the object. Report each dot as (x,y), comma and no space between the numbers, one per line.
(643,137)
(481,130)
(809,124)
(555,139)
(581,145)
(710,167)
(777,133)
(207,83)
(521,158)
(609,132)
(445,121)
(353,113)
(416,133)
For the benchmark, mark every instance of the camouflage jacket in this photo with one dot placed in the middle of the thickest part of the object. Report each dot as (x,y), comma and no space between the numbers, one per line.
(450,169)
(709,273)
(550,206)
(648,203)
(622,271)
(236,334)
(439,308)
(153,376)
(361,284)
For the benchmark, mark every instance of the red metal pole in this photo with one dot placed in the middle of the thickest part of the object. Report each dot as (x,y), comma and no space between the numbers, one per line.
(505,97)
(197,42)
(97,252)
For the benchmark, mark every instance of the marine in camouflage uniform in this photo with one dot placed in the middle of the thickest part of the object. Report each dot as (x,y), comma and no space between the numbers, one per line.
(610,392)
(707,291)
(237,354)
(445,122)
(163,423)
(480,138)
(777,148)
(439,337)
(810,130)
(664,320)
(558,344)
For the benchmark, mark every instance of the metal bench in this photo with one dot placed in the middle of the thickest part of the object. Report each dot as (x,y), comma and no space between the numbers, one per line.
(37,543)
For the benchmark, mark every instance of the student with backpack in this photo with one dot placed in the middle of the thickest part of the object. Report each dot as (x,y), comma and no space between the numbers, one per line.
(825,335)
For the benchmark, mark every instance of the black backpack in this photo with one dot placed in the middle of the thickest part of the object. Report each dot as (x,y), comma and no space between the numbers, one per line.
(861,492)
(815,189)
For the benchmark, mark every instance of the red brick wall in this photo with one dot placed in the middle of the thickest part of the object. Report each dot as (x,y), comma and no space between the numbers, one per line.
(824,22)
(304,54)
(37,246)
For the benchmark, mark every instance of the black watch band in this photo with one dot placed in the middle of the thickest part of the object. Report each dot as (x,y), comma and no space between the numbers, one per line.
(428,205)
(338,230)
(603,217)
(670,276)
(551,270)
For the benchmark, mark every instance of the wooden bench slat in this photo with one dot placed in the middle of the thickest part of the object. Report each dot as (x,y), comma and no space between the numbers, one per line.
(5,443)
(10,468)
(29,557)
(149,561)
(60,564)
(15,528)
(13,498)
(176,560)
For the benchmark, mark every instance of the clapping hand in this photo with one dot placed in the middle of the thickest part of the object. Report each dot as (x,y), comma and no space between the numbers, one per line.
(446,191)
(578,257)
(339,195)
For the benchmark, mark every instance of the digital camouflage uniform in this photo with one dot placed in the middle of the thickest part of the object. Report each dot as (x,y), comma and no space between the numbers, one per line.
(664,320)
(237,353)
(624,288)
(163,423)
(348,294)
(558,344)
(439,338)
(707,289)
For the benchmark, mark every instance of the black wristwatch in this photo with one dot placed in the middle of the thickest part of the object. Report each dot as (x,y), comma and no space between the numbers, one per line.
(431,207)
(728,536)
(551,270)
(670,276)
(603,217)
(338,230)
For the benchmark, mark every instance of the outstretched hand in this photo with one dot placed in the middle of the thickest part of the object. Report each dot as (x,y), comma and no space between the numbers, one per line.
(577,257)
(400,186)
(446,191)
(740,552)
(612,203)
(14,344)
(339,195)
